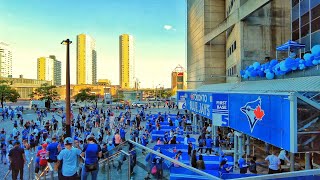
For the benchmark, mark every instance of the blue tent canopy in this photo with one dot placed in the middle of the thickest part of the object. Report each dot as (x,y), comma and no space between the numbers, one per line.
(290,45)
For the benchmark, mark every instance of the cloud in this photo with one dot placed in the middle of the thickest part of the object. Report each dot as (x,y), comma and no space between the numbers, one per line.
(169,27)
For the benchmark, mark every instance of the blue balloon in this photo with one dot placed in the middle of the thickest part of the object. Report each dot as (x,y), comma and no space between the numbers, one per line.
(269,75)
(256,65)
(245,76)
(262,74)
(283,66)
(289,63)
(273,62)
(308,57)
(315,62)
(242,72)
(316,50)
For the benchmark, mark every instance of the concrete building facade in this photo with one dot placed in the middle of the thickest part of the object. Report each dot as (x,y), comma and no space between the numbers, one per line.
(86,60)
(24,86)
(224,36)
(126,61)
(5,60)
(49,69)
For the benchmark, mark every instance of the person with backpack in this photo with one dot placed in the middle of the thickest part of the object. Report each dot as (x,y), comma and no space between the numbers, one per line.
(92,152)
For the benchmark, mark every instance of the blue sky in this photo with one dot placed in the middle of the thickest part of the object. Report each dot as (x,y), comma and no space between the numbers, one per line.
(35,28)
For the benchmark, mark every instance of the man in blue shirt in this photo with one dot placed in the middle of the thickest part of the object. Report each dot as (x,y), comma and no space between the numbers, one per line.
(53,150)
(209,144)
(123,134)
(242,165)
(68,156)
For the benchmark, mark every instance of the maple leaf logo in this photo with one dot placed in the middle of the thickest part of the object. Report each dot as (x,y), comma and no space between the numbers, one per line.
(259,113)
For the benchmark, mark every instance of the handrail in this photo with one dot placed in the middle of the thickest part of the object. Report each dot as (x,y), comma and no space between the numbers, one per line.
(175,161)
(108,158)
(7,174)
(43,173)
(311,172)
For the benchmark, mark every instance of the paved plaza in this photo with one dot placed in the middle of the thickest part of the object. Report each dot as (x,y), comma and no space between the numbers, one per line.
(29,115)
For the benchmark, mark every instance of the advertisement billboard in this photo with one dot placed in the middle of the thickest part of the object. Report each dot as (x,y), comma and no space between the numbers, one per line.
(265,117)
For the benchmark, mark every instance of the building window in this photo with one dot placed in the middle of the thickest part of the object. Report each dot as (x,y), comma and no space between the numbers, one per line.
(305,19)
(305,30)
(295,25)
(315,25)
(295,2)
(315,12)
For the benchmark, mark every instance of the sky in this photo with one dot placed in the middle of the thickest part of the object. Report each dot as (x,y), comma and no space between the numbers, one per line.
(35,28)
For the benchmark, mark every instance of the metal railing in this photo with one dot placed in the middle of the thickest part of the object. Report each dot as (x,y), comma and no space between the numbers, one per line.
(29,165)
(44,173)
(313,172)
(204,174)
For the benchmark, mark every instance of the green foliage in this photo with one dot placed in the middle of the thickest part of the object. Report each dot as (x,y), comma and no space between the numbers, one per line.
(46,92)
(85,95)
(7,93)
(167,93)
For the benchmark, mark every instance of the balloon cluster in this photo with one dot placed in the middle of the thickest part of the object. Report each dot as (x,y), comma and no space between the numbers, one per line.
(275,68)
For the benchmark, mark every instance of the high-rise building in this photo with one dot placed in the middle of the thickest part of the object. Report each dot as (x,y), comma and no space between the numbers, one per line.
(49,69)
(86,60)
(126,61)
(178,79)
(225,36)
(306,22)
(5,60)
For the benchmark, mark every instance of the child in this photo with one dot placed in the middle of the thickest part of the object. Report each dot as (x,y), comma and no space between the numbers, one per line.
(43,154)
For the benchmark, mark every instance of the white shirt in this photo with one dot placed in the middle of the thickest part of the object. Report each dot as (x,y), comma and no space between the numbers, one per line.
(274,162)
(282,155)
(209,129)
(185,141)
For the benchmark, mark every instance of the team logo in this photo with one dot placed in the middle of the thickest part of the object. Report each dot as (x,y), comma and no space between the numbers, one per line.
(253,111)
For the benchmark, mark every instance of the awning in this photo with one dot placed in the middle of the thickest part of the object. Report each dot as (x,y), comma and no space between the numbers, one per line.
(290,45)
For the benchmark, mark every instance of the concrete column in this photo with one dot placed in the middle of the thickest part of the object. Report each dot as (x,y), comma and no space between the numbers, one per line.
(240,146)
(235,152)
(248,145)
(214,133)
(291,162)
(307,160)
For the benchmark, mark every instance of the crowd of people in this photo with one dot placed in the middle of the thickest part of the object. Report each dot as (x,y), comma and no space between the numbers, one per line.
(95,132)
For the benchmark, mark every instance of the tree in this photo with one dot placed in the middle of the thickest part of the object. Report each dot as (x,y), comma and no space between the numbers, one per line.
(7,93)
(47,93)
(167,93)
(84,95)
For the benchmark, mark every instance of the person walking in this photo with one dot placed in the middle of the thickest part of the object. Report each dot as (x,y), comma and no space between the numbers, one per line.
(194,159)
(200,163)
(91,152)
(17,160)
(68,156)
(274,163)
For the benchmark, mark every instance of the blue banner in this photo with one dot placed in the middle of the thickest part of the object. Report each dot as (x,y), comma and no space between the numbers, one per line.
(200,103)
(265,117)
(181,99)
(220,110)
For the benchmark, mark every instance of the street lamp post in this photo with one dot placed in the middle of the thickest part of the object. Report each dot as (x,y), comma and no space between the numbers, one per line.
(68,121)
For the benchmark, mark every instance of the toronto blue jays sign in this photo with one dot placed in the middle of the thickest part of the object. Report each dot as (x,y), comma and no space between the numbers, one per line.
(200,103)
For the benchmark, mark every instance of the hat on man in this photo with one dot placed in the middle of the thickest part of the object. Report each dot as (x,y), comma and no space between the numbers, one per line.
(68,140)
